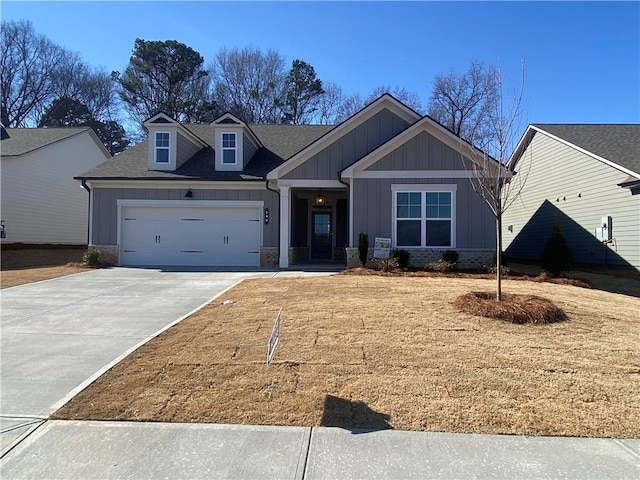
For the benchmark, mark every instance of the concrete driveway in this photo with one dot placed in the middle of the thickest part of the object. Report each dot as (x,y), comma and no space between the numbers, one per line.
(59,333)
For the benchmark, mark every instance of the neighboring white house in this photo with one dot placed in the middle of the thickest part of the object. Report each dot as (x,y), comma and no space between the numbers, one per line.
(41,202)
(587,179)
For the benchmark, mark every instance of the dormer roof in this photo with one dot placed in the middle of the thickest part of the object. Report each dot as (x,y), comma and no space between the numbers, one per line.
(161,119)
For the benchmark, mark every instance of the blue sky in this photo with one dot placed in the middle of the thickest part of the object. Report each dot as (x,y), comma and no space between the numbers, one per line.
(582,58)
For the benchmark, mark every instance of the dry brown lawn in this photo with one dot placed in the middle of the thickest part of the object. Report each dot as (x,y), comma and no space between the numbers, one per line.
(385,352)
(24,266)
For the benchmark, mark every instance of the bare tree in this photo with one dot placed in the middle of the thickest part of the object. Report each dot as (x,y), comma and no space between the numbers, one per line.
(28,66)
(329,102)
(350,106)
(410,99)
(250,83)
(463,103)
(494,182)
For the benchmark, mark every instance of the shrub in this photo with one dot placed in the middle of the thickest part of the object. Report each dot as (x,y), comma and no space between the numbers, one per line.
(441,265)
(403,257)
(363,248)
(92,257)
(556,256)
(450,256)
(386,264)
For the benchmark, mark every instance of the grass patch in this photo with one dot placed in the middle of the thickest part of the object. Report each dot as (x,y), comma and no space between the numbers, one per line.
(385,352)
(512,308)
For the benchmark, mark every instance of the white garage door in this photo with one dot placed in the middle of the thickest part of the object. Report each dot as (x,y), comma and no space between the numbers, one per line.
(192,236)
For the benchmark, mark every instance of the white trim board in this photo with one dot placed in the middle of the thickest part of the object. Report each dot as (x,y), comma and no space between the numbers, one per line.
(178,185)
(385,101)
(426,125)
(312,184)
(416,174)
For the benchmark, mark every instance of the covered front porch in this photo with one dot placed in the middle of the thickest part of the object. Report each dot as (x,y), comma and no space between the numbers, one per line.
(314,225)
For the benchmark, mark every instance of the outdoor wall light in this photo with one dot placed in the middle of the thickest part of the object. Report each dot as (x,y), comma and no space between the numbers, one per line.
(189,194)
(320,199)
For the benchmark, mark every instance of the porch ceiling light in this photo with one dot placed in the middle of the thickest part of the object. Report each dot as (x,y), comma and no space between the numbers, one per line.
(320,199)
(189,194)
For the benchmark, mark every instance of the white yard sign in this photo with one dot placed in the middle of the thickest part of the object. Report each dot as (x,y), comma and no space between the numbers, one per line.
(273,340)
(382,248)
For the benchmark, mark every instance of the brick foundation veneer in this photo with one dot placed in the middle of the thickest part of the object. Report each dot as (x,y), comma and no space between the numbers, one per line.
(468,258)
(269,257)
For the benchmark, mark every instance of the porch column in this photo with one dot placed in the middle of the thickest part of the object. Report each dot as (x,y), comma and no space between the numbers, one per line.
(285,222)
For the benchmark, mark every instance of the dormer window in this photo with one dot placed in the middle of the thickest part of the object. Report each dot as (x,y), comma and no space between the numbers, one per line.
(229,148)
(162,147)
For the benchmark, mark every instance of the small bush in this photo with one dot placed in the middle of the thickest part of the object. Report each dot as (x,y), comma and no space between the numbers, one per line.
(92,257)
(450,256)
(513,308)
(442,266)
(493,268)
(363,248)
(403,257)
(386,264)
(556,256)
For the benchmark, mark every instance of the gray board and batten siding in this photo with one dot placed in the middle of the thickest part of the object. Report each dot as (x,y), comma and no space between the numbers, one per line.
(475,224)
(184,150)
(578,190)
(249,149)
(105,207)
(353,145)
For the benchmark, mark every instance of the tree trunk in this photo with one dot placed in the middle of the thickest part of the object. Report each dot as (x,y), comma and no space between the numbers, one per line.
(499,256)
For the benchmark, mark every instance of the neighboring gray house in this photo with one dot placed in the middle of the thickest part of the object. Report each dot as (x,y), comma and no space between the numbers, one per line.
(586,177)
(232,194)
(41,203)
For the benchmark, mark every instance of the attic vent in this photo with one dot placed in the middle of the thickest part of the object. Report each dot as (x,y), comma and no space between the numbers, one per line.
(228,121)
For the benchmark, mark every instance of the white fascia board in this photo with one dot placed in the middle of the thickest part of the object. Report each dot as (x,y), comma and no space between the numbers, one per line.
(171,122)
(100,145)
(239,123)
(521,146)
(178,185)
(425,125)
(189,203)
(226,116)
(385,101)
(311,183)
(587,152)
(416,174)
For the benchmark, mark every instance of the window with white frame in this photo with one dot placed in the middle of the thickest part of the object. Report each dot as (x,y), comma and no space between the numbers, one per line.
(424,215)
(228,148)
(162,147)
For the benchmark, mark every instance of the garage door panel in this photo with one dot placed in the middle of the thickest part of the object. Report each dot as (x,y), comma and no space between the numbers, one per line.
(205,236)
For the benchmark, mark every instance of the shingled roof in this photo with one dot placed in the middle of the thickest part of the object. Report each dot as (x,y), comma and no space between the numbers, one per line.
(619,144)
(24,140)
(280,143)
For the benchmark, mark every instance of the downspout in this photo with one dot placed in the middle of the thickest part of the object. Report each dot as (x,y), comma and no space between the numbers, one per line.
(86,187)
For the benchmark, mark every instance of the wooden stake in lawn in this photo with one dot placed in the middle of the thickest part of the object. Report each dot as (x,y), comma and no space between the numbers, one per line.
(273,340)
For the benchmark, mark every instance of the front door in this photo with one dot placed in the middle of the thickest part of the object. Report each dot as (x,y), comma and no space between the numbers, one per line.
(321,236)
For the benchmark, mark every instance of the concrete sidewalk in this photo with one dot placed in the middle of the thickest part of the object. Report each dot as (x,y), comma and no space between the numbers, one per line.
(58,335)
(106,450)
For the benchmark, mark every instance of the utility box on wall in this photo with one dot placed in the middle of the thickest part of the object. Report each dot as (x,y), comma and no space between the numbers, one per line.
(604,232)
